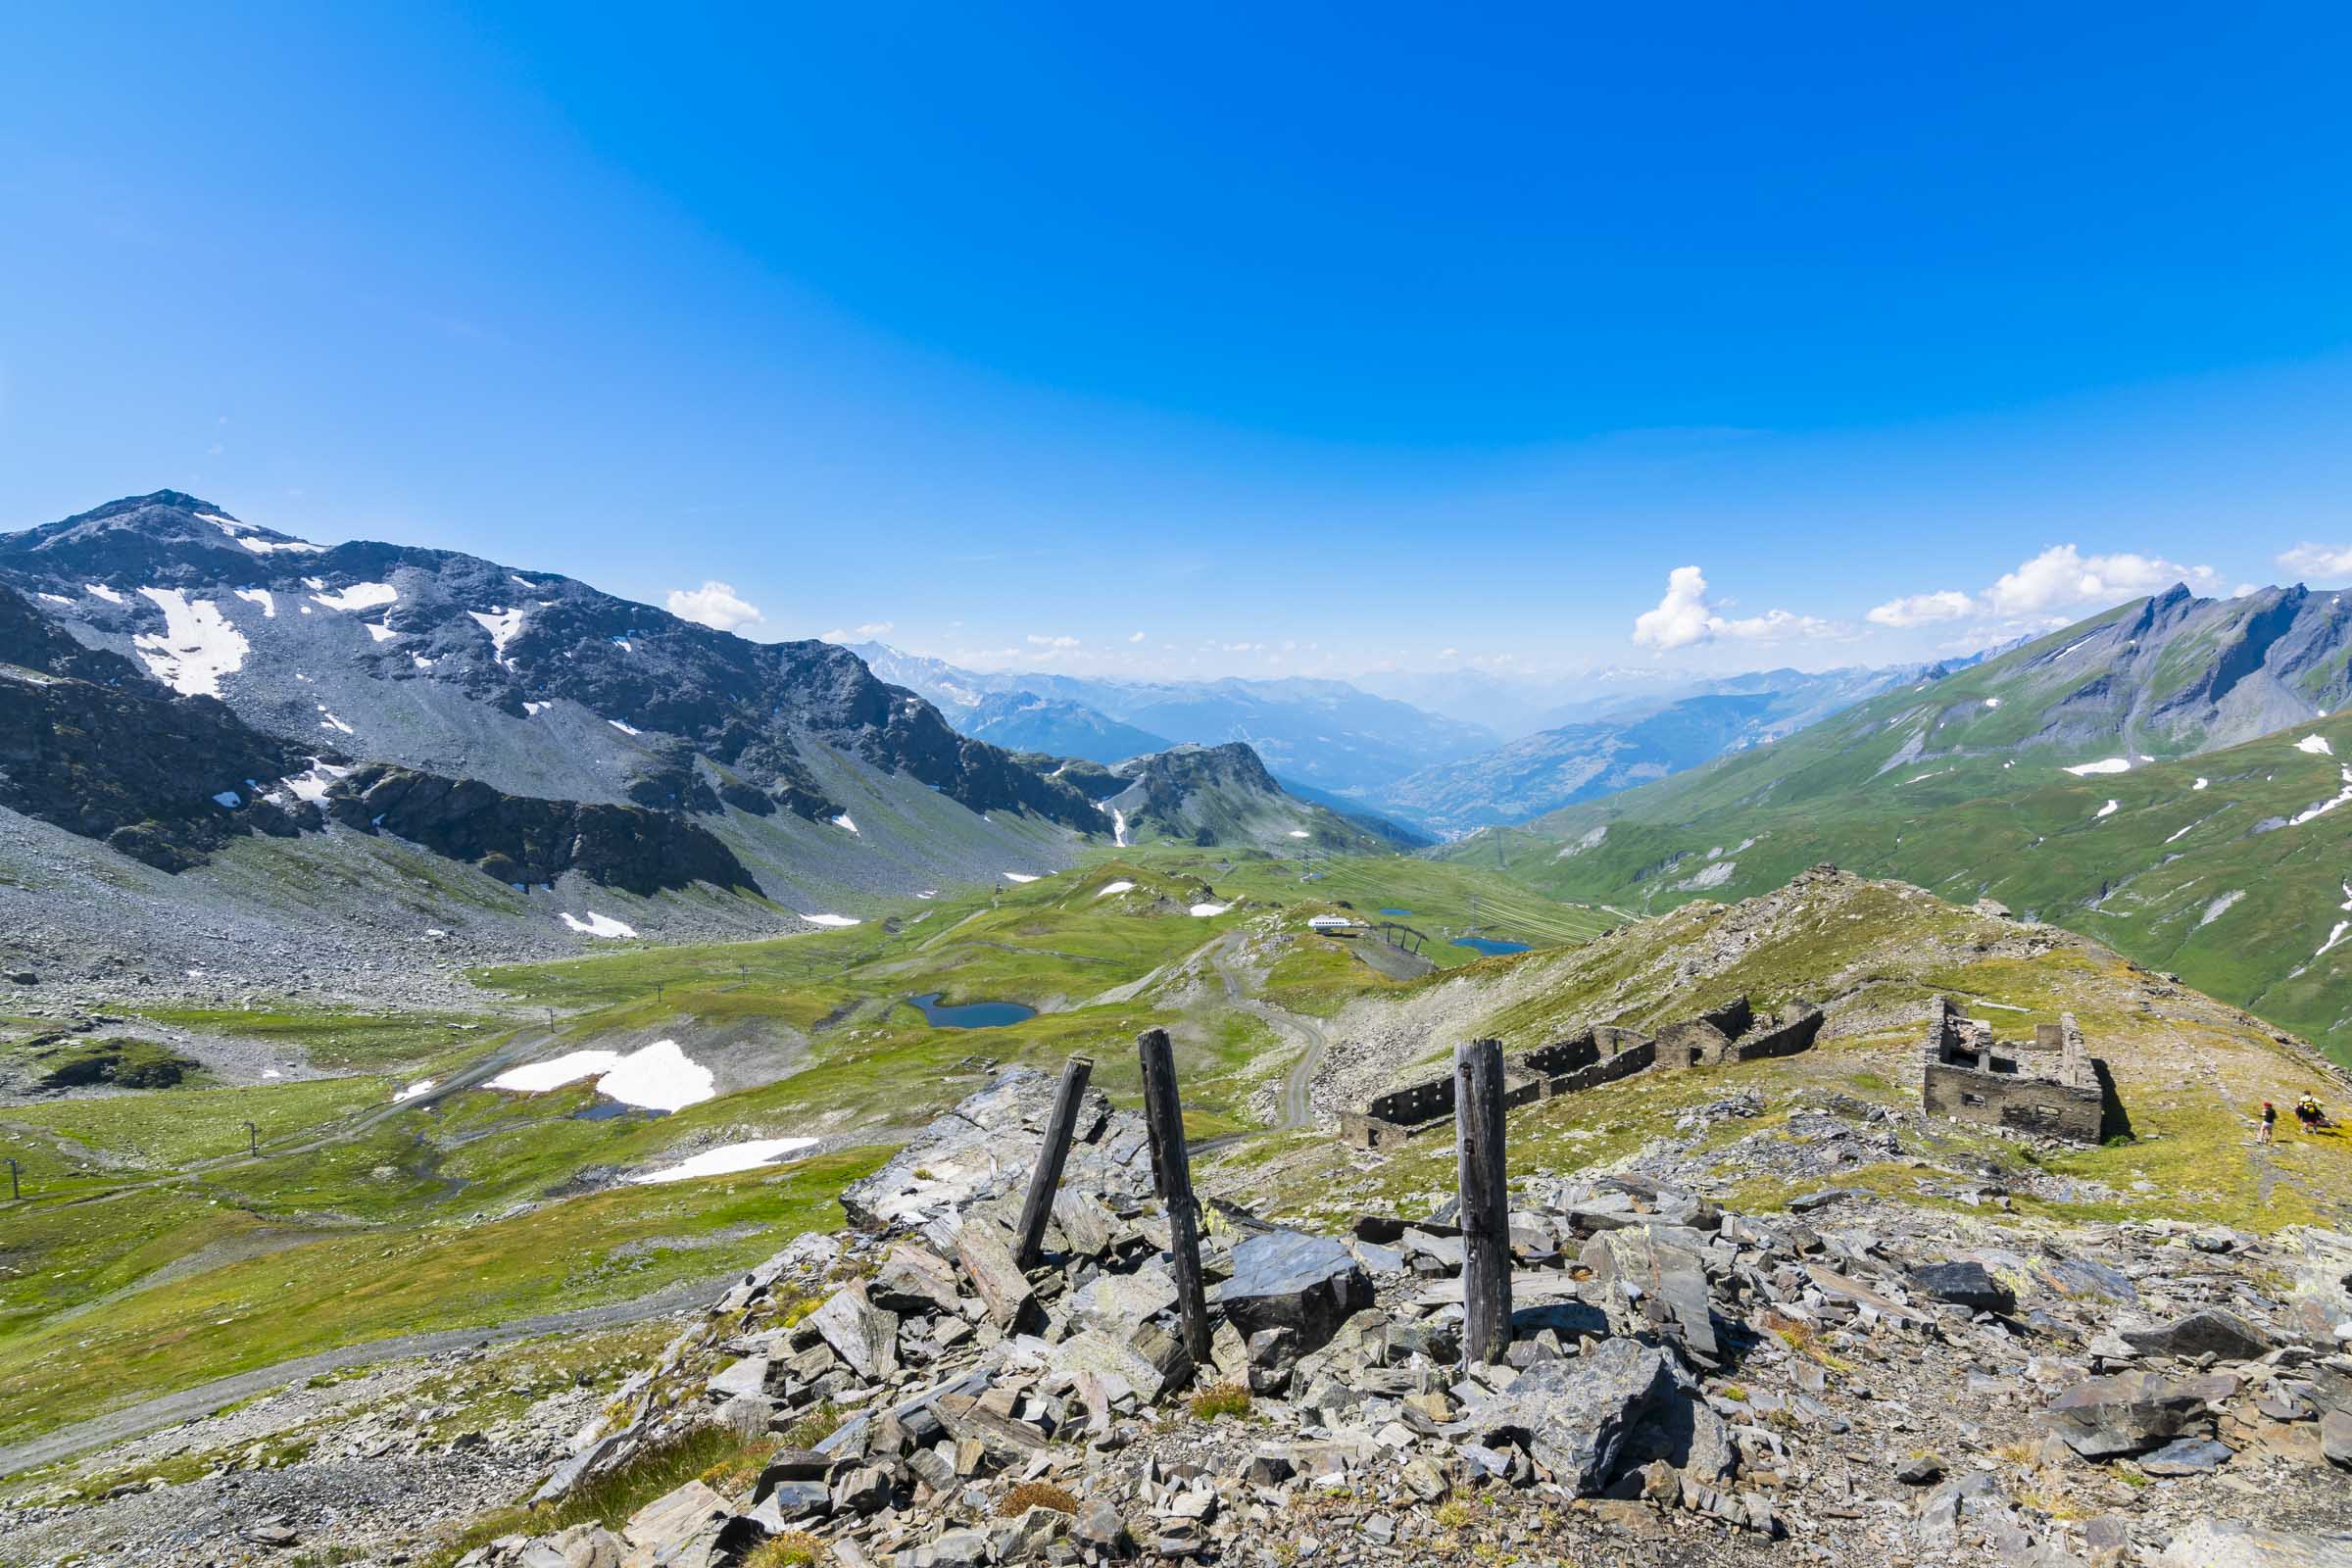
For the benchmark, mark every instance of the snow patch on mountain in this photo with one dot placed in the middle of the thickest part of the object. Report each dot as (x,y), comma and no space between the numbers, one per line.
(359,596)
(198,645)
(598,925)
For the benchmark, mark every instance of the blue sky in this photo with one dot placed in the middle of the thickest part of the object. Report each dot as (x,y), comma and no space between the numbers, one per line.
(1343,338)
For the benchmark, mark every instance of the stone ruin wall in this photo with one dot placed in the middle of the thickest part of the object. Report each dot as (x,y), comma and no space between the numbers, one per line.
(1600,1056)
(2050,1085)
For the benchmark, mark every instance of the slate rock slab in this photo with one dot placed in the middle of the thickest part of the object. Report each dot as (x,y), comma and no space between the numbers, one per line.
(2208,1329)
(1574,1417)
(859,1332)
(1288,1279)
(1963,1284)
(2132,1412)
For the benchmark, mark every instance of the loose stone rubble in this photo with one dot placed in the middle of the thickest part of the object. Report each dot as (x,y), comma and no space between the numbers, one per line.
(1866,1381)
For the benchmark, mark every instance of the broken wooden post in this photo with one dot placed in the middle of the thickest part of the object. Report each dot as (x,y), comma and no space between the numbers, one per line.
(1038,1206)
(1165,1117)
(1485,1216)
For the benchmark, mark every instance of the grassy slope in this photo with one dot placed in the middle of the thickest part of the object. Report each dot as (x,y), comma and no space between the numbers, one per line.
(2008,825)
(122,1186)
(2189,1070)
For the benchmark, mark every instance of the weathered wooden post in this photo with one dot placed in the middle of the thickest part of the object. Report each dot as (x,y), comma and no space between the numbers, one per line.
(1486,1199)
(1038,1206)
(1165,1118)
(253,1140)
(13,1194)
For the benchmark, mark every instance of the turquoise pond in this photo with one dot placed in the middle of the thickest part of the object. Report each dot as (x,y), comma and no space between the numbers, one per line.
(969,1014)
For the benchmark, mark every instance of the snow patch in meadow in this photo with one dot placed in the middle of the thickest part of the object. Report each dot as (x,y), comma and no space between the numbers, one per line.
(1992,702)
(2182,833)
(2200,784)
(832,919)
(843,821)
(423,1086)
(2222,906)
(727,1158)
(2333,937)
(262,597)
(1019,876)
(538,1077)
(660,1077)
(1108,888)
(1300,833)
(359,596)
(2109,810)
(2326,806)
(102,591)
(1202,911)
(198,645)
(598,925)
(2110,764)
(2316,745)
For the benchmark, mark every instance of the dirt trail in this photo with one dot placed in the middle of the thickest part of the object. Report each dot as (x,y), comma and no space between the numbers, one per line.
(1296,1107)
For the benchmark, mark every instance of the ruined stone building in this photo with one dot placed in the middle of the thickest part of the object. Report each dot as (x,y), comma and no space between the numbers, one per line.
(1729,1033)
(2050,1085)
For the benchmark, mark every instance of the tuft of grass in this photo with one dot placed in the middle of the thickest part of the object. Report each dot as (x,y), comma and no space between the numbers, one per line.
(1037,1495)
(1224,1399)
(794,1549)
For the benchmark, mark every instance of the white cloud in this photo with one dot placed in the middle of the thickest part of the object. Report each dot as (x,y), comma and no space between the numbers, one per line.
(856,634)
(716,605)
(1036,641)
(1684,617)
(2062,575)
(1918,610)
(2317,561)
(1135,637)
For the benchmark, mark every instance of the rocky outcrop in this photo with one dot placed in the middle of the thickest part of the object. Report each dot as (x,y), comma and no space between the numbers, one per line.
(92,743)
(519,840)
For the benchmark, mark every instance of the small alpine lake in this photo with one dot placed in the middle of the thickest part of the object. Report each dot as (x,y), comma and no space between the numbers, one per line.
(1490,947)
(969,1014)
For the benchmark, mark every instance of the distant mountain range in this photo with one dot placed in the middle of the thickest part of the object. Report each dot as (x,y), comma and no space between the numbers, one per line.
(2170,776)
(1641,740)
(1331,741)
(1224,796)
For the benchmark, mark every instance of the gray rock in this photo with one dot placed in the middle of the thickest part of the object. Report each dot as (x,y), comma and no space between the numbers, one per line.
(1574,1417)
(2207,1330)
(1920,1470)
(2186,1456)
(2132,1412)
(1964,1284)
(2336,1436)
(1288,1279)
(1099,1525)
(859,1332)
(2233,1544)
(914,1280)
(1651,1284)
(747,1376)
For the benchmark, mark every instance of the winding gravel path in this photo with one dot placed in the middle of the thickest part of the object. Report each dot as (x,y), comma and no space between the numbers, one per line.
(1297,1108)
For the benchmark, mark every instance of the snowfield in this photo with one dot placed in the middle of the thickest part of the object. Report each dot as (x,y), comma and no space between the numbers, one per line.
(598,925)
(359,596)
(832,919)
(198,645)
(727,1157)
(2111,764)
(660,1077)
